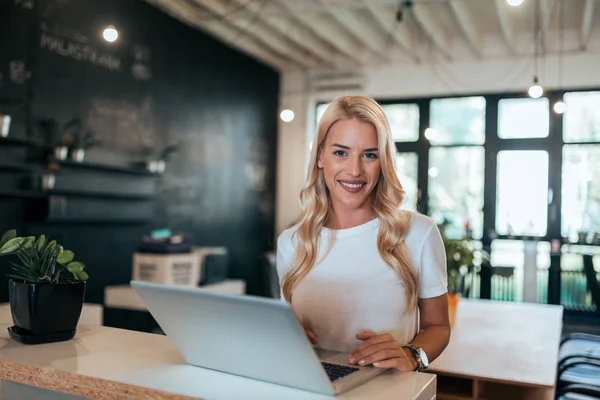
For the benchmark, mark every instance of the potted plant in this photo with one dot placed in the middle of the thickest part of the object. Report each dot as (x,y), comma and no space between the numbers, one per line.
(46,289)
(158,163)
(81,141)
(460,257)
(57,138)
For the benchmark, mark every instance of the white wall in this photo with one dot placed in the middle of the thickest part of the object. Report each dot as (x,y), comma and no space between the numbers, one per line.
(405,80)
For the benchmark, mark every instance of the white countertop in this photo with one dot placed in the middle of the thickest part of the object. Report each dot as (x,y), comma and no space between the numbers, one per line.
(140,364)
(507,342)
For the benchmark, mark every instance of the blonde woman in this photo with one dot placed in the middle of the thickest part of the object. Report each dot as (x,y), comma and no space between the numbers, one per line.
(363,276)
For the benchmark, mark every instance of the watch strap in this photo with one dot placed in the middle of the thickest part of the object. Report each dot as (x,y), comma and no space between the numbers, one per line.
(417,354)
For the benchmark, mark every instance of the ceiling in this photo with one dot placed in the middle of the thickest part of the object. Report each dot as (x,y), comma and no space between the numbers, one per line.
(344,34)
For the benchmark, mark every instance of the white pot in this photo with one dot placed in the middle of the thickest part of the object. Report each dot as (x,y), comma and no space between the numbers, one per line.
(60,153)
(48,181)
(4,125)
(77,155)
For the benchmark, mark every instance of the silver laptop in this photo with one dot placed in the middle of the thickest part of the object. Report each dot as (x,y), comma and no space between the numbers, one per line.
(254,337)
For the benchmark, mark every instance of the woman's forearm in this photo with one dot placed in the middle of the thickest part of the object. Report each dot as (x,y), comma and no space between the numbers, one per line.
(433,340)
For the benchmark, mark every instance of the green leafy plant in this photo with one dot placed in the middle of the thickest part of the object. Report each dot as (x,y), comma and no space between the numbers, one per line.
(40,260)
(460,257)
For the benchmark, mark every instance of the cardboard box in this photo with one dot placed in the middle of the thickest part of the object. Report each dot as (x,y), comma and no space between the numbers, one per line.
(168,269)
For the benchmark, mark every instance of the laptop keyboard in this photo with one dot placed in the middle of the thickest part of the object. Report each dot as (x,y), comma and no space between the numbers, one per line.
(337,371)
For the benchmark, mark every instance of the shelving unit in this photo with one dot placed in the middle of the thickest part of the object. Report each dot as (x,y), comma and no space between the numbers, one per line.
(120,194)
(18,168)
(104,167)
(12,141)
(102,195)
(21,194)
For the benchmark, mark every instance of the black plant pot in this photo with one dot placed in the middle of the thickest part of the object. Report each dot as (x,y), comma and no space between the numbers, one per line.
(44,309)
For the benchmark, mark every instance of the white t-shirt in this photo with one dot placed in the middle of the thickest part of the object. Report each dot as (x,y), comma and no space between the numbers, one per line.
(353,289)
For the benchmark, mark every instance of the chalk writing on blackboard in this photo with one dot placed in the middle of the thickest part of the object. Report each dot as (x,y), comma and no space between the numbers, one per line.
(140,68)
(256,176)
(123,124)
(25,4)
(79,51)
(18,73)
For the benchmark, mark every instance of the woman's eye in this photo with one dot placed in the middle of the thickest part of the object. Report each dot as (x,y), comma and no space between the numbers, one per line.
(372,156)
(339,153)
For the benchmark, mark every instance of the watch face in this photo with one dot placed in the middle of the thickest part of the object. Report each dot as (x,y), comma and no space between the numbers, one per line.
(424,358)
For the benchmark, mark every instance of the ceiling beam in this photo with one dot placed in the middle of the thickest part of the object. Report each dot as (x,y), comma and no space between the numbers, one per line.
(245,44)
(505,25)
(251,26)
(399,31)
(314,7)
(366,34)
(466,24)
(546,9)
(586,25)
(289,28)
(306,38)
(331,33)
(431,28)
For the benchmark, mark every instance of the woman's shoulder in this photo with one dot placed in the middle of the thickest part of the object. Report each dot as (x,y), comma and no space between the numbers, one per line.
(420,223)
(422,229)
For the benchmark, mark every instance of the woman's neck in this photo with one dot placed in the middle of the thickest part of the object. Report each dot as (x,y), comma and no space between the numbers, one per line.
(344,219)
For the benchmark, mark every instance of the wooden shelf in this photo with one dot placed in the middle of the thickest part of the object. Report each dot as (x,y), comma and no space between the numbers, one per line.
(34,194)
(104,167)
(19,168)
(12,141)
(21,194)
(113,221)
(115,196)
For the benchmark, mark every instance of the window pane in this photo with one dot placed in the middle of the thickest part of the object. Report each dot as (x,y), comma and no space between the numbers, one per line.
(522,193)
(582,118)
(404,121)
(457,121)
(456,189)
(320,110)
(580,191)
(523,118)
(407,165)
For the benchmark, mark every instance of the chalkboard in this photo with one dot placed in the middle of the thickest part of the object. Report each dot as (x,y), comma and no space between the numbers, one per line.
(161,83)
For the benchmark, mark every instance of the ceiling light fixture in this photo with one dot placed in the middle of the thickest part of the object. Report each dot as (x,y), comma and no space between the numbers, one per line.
(287,115)
(110,34)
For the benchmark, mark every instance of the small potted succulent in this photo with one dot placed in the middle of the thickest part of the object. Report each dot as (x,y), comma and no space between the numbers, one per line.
(46,289)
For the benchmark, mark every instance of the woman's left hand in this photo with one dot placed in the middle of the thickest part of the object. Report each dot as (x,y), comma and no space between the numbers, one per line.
(382,351)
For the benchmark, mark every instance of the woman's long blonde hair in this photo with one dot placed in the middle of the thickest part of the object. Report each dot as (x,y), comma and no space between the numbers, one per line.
(388,196)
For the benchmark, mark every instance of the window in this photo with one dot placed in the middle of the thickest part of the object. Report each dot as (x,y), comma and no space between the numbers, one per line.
(581,121)
(523,118)
(580,191)
(407,165)
(522,193)
(456,178)
(457,121)
(320,111)
(404,121)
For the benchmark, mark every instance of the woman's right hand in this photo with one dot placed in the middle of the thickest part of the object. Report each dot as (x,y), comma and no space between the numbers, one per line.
(311,336)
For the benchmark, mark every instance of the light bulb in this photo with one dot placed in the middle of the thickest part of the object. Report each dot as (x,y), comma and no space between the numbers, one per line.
(535,90)
(514,3)
(430,133)
(110,34)
(287,115)
(560,107)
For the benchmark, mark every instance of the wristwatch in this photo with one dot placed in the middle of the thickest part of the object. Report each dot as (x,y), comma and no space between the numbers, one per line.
(420,356)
